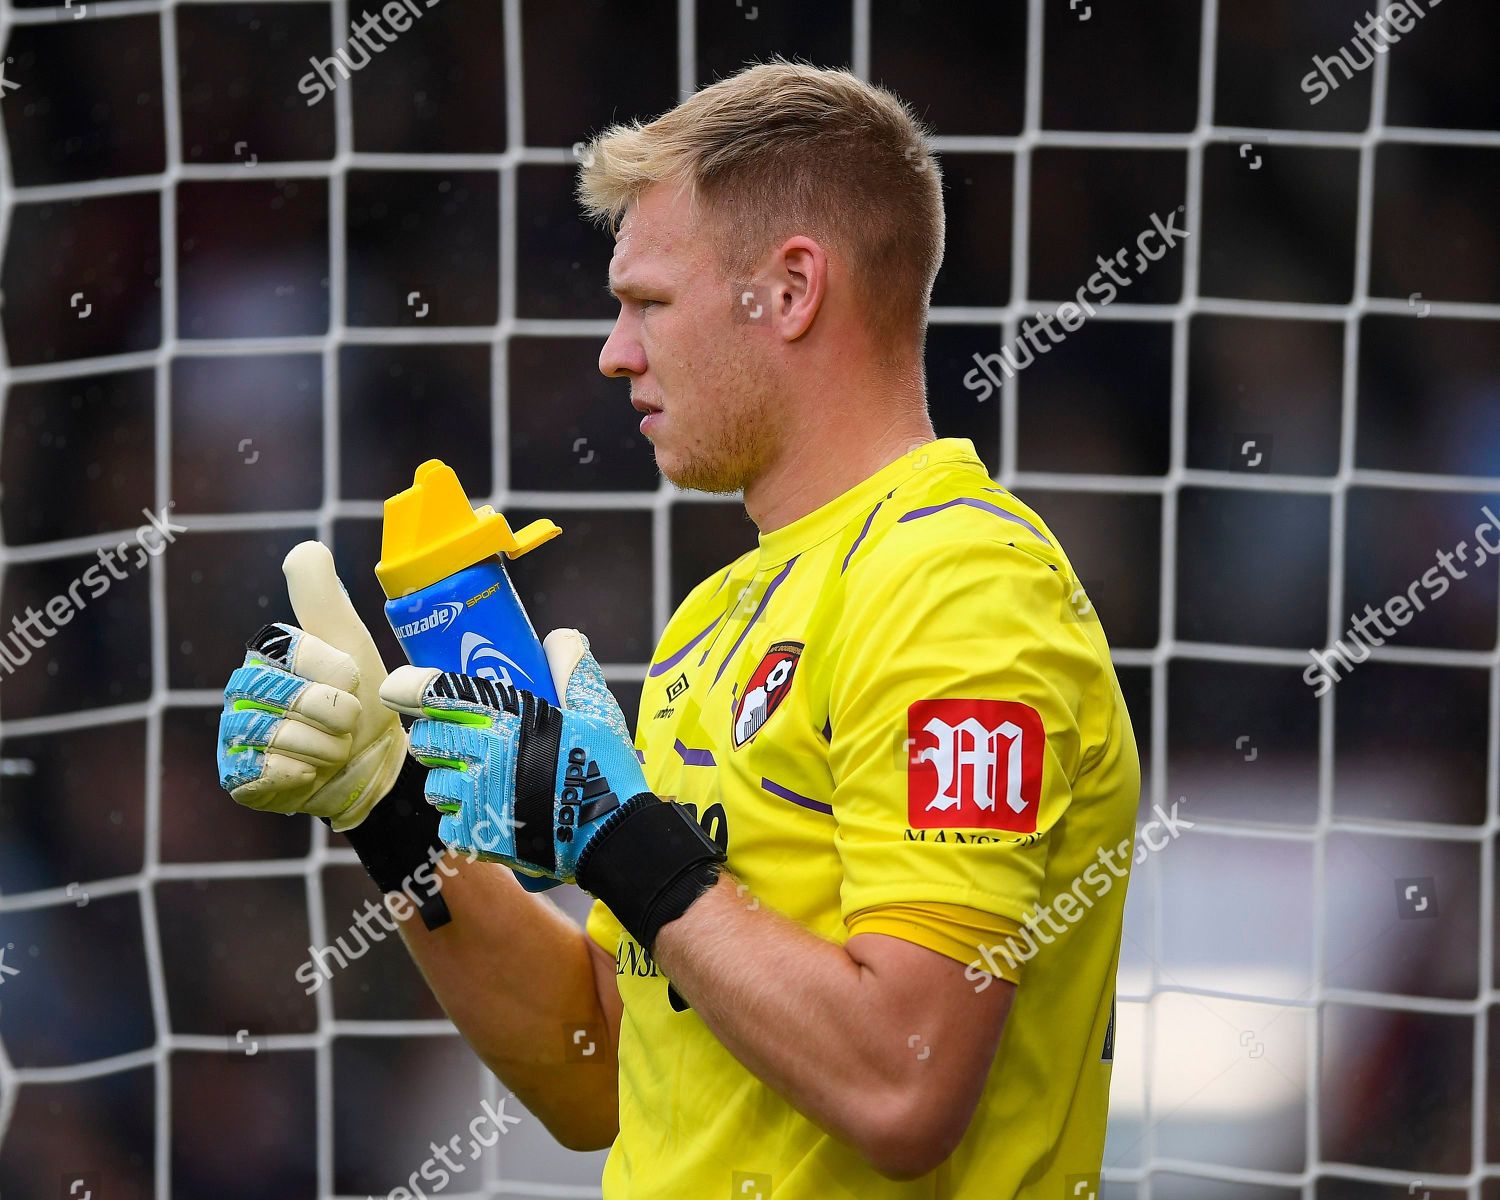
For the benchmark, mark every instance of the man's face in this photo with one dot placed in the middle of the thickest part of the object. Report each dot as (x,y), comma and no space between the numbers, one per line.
(702,369)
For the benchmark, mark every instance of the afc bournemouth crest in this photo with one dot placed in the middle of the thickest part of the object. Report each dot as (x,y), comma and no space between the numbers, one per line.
(766,688)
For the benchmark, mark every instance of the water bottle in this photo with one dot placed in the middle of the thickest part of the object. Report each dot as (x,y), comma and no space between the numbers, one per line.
(449,598)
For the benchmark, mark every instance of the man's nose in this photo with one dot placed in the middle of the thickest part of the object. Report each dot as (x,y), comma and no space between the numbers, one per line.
(622,355)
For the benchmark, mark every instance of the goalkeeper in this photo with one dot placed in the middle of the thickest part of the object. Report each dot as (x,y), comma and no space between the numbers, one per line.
(853,935)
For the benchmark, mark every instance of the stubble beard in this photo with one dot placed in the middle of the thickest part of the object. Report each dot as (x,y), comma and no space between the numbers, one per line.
(730,452)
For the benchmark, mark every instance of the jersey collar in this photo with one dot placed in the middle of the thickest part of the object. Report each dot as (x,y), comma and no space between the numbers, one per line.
(807,531)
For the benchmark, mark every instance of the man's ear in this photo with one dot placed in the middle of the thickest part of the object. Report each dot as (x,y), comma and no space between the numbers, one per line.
(803,286)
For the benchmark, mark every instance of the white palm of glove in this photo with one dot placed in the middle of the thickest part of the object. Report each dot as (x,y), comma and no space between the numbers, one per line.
(303,729)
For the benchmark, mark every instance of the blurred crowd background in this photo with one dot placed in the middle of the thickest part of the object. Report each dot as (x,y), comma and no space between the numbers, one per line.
(268,313)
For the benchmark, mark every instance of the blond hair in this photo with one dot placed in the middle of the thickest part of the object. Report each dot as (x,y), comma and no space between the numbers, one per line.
(783,148)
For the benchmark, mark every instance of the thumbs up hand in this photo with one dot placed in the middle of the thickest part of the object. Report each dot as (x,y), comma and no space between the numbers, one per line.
(303,729)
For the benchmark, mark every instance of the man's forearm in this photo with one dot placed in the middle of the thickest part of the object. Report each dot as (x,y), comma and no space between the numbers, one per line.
(516,977)
(798,1011)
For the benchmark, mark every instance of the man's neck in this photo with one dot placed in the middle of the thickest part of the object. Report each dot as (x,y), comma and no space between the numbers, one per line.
(816,469)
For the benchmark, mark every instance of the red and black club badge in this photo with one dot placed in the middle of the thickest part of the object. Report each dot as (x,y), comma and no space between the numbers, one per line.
(765,690)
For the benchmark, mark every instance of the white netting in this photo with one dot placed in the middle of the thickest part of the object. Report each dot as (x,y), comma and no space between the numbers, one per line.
(1139,1008)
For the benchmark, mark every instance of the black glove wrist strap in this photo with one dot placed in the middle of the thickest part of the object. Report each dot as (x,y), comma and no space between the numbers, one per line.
(649,862)
(397,837)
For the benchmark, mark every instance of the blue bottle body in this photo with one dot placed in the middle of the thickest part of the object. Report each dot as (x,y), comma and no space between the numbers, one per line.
(473,622)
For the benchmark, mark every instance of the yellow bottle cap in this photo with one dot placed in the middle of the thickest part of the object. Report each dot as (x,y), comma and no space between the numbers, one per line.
(431,531)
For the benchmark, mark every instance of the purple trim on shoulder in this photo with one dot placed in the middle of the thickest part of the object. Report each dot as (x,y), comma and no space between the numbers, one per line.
(972,503)
(786,793)
(861,536)
(693,758)
(759,608)
(640,757)
(668,663)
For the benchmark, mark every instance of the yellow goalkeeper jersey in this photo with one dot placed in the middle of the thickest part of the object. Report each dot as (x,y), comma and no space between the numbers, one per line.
(901,703)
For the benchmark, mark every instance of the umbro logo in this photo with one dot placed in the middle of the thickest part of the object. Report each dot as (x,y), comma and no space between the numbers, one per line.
(586,794)
(674,689)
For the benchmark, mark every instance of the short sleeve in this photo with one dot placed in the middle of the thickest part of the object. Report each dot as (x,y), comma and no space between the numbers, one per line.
(958,688)
(947,929)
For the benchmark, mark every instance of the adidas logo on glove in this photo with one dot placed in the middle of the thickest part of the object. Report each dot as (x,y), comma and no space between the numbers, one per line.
(583,786)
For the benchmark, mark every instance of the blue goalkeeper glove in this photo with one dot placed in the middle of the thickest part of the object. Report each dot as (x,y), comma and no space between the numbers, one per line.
(554,792)
(301,730)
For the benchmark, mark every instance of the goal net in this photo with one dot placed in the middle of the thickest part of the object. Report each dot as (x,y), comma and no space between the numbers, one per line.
(231,310)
